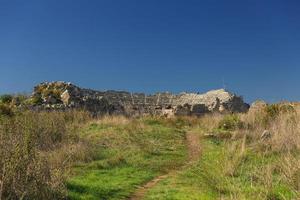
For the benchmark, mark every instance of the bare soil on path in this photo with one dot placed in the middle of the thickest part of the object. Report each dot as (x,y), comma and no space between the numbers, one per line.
(194,151)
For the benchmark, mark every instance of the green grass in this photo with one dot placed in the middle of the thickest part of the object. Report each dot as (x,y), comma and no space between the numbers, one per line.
(115,183)
(186,184)
(126,156)
(209,178)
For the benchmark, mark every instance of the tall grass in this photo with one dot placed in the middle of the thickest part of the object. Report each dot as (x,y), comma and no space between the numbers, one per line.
(255,155)
(36,149)
(267,164)
(39,150)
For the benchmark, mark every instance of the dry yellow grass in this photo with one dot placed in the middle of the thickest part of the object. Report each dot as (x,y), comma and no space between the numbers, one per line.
(36,149)
(113,120)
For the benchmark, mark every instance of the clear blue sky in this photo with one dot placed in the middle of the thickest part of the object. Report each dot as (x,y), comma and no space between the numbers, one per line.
(153,45)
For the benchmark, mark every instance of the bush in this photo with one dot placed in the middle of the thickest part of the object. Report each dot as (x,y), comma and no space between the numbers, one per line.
(287,108)
(6,98)
(36,100)
(6,110)
(19,99)
(230,123)
(273,111)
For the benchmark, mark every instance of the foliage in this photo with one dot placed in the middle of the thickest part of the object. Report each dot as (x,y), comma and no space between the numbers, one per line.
(6,98)
(287,108)
(273,111)
(230,122)
(5,110)
(36,100)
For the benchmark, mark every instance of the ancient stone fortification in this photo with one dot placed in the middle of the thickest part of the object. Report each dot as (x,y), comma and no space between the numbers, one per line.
(62,95)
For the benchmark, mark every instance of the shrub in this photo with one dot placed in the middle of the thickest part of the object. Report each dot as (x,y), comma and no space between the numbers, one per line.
(287,108)
(230,122)
(6,110)
(6,98)
(272,111)
(19,99)
(36,100)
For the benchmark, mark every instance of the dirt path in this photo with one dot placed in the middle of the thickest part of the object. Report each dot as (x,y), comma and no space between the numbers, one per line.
(194,150)
(193,144)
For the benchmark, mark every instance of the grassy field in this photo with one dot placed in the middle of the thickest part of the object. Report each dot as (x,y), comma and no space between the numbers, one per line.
(211,178)
(69,155)
(236,161)
(242,166)
(128,154)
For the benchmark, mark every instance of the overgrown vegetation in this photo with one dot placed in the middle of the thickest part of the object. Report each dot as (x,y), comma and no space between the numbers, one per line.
(6,98)
(230,123)
(36,150)
(69,155)
(249,165)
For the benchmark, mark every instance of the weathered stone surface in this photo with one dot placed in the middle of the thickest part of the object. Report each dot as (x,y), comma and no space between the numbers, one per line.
(66,95)
(213,100)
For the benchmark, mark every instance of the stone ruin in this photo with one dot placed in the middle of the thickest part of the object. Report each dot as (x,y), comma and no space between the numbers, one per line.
(63,95)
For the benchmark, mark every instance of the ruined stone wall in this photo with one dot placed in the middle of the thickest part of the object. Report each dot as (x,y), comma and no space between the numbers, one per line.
(56,95)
